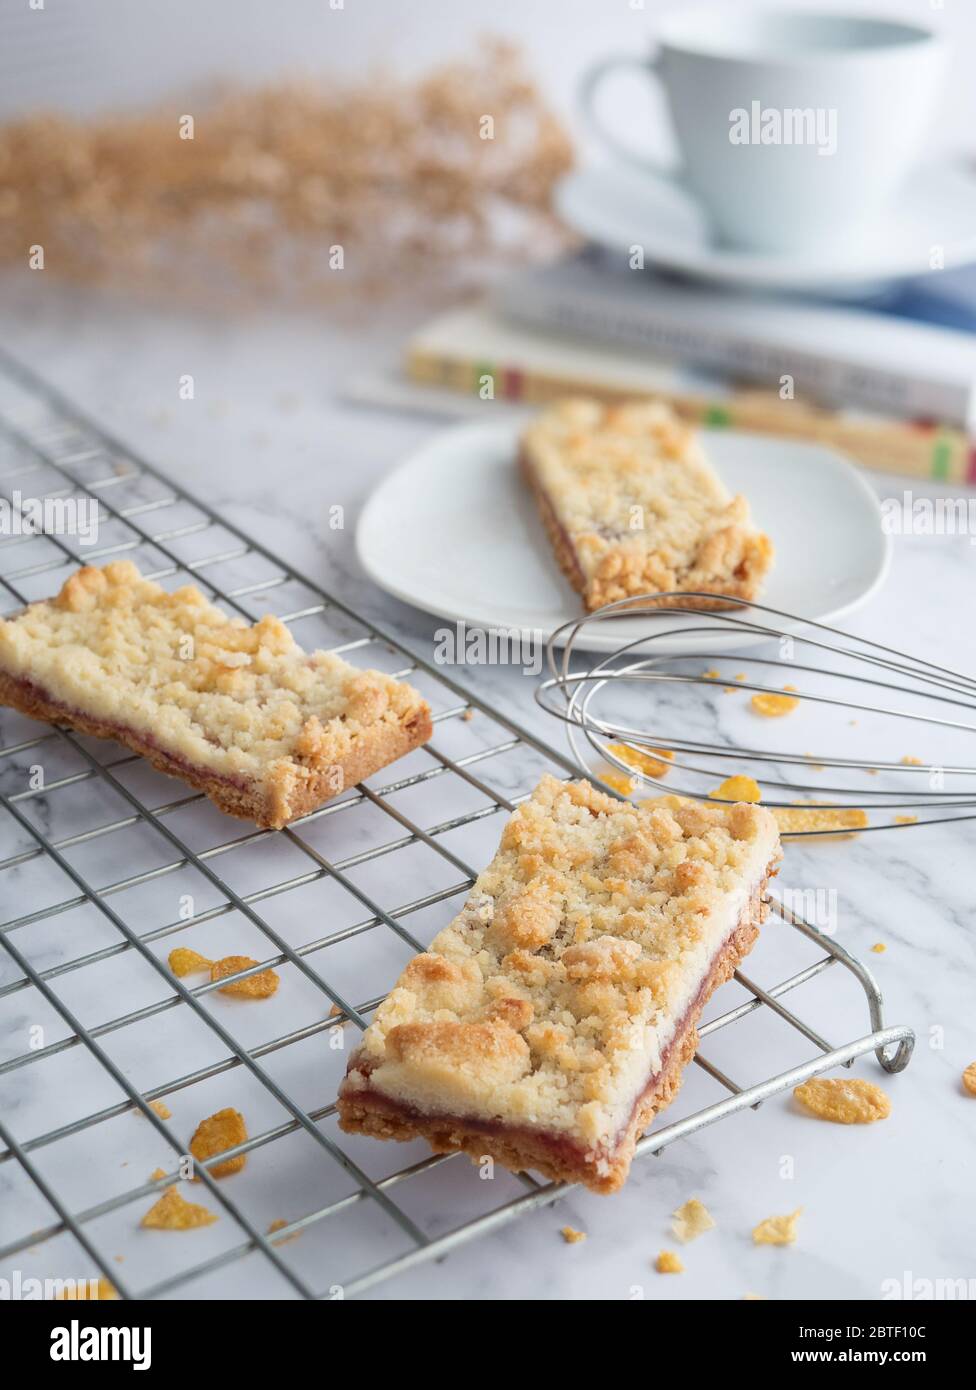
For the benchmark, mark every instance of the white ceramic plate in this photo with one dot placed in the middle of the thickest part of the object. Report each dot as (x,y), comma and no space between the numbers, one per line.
(617,207)
(454,531)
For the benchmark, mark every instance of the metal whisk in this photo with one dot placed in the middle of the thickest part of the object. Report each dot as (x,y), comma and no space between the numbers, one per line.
(884,705)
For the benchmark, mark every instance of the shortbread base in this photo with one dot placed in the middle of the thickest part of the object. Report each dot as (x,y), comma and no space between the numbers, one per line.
(252,801)
(558,1156)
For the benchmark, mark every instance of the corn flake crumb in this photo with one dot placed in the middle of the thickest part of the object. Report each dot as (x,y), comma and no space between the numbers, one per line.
(879,948)
(754,1297)
(795,819)
(738,789)
(620,783)
(846,1100)
(468,715)
(224,1130)
(712,675)
(259,986)
(969,1078)
(156,1174)
(279,1224)
(174,1213)
(668,1263)
(774,706)
(906,820)
(183,961)
(910,761)
(691,1220)
(653,763)
(161,1109)
(571,1236)
(777,1230)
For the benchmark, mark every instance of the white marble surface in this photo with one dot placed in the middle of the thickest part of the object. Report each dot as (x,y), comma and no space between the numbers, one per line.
(266,441)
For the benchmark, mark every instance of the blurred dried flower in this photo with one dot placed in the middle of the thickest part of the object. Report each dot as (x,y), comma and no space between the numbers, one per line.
(309,187)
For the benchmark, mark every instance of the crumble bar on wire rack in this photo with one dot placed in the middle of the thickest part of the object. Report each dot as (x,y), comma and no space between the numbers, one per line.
(240,711)
(554,1016)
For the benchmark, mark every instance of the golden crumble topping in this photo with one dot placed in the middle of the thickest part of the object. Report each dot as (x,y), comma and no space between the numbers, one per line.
(629,495)
(240,703)
(551,998)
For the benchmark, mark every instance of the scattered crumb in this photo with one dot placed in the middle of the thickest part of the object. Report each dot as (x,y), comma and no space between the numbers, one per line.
(777,1230)
(668,1263)
(174,1213)
(468,715)
(571,1236)
(104,1293)
(852,722)
(871,771)
(259,986)
(156,1174)
(906,820)
(738,789)
(183,961)
(739,676)
(691,1220)
(846,1100)
(712,675)
(624,785)
(969,1078)
(774,706)
(224,1130)
(161,1109)
(653,763)
(278,1225)
(336,1012)
(792,819)
(910,761)
(754,1297)
(879,948)
(119,1259)
(814,765)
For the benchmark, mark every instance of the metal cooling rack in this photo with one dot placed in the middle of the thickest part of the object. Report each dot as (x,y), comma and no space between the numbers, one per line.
(47,446)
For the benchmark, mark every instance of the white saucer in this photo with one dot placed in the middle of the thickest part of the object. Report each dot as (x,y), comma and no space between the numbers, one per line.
(618,207)
(454,532)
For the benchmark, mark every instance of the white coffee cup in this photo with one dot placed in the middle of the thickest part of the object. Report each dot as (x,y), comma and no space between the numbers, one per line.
(794,128)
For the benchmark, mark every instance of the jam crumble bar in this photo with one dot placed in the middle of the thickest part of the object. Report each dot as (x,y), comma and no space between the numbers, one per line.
(552,1019)
(632,506)
(268,731)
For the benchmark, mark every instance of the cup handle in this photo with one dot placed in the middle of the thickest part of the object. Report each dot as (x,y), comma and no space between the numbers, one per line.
(591,82)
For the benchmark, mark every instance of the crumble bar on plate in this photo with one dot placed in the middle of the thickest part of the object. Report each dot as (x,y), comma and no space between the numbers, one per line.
(553,1017)
(240,711)
(632,506)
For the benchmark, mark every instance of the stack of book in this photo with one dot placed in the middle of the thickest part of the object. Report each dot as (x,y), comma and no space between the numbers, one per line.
(889,383)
